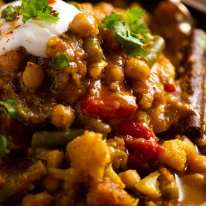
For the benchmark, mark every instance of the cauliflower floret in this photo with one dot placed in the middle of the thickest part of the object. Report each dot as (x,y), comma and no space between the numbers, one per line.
(174,155)
(89,155)
(196,161)
(178,153)
(109,194)
(149,186)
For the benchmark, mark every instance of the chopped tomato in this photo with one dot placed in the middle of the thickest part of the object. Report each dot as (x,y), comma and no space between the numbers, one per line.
(169,88)
(108,108)
(142,151)
(108,105)
(151,147)
(137,130)
(141,144)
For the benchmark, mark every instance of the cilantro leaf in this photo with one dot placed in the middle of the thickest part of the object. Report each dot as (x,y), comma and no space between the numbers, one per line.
(134,14)
(124,36)
(10,13)
(110,21)
(134,18)
(38,9)
(129,29)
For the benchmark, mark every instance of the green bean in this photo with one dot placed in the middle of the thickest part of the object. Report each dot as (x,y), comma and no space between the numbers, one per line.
(96,125)
(54,138)
(154,51)
(93,49)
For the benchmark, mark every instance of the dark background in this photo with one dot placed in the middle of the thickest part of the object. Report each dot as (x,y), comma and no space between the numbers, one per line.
(199,16)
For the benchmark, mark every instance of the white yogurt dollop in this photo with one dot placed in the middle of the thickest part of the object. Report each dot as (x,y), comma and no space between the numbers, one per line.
(34,35)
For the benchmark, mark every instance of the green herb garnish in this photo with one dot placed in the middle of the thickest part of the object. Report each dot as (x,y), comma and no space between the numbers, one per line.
(30,9)
(9,106)
(10,13)
(129,29)
(38,9)
(3,146)
(60,61)
(134,19)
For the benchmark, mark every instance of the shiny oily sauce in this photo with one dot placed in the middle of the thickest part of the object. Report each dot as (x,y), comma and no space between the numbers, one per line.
(194,195)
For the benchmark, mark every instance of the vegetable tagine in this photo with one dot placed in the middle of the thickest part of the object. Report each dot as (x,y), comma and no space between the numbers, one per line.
(101,104)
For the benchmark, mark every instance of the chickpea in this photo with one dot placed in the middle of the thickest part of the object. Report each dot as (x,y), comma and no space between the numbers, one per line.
(55,45)
(97,69)
(84,25)
(114,73)
(137,69)
(33,76)
(62,116)
(11,61)
(104,7)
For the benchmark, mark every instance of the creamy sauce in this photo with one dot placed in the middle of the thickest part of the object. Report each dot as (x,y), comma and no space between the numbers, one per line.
(192,195)
(34,35)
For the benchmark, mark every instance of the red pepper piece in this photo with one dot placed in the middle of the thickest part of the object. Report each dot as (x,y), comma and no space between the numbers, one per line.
(51,1)
(150,148)
(169,88)
(137,130)
(142,152)
(108,108)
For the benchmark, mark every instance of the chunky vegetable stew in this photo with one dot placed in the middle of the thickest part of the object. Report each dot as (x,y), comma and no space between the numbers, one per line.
(101,104)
